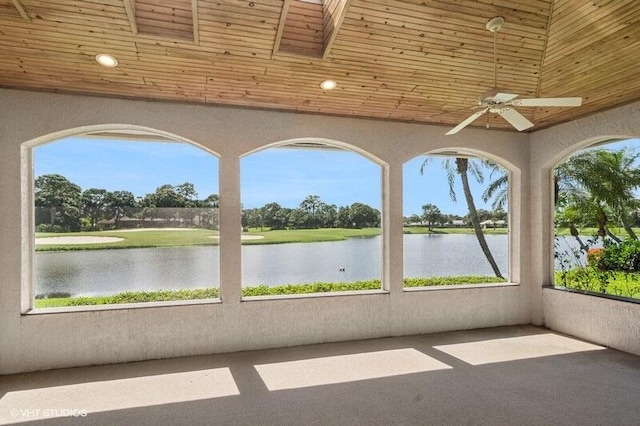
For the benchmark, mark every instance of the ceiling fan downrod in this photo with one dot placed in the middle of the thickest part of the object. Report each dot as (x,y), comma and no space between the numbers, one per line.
(494,25)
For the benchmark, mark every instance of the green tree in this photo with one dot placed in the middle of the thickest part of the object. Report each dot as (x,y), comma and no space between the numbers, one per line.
(610,177)
(499,214)
(432,215)
(311,205)
(462,167)
(212,201)
(95,205)
(342,220)
(252,218)
(120,204)
(187,193)
(273,216)
(301,219)
(61,198)
(412,220)
(327,215)
(363,216)
(577,209)
(172,203)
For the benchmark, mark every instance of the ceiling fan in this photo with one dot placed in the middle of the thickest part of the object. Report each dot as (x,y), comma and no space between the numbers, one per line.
(501,101)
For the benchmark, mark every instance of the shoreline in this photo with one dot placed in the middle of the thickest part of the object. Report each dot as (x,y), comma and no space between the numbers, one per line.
(179,237)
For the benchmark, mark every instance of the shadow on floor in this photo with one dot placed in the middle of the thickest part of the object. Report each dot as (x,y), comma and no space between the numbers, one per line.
(508,375)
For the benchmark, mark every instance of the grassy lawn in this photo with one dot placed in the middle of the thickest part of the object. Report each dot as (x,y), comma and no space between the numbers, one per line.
(308,235)
(590,232)
(624,284)
(151,238)
(262,290)
(436,231)
(201,237)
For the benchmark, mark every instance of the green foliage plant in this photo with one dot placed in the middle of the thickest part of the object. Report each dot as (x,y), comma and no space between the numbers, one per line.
(624,256)
(64,300)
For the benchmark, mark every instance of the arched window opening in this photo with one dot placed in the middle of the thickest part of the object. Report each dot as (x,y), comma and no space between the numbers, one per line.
(456,221)
(596,219)
(123,218)
(311,221)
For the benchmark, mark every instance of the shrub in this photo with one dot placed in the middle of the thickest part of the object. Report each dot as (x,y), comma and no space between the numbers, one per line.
(459,280)
(64,299)
(624,256)
(45,227)
(593,256)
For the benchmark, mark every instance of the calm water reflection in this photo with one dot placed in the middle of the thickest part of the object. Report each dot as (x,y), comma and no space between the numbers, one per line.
(111,271)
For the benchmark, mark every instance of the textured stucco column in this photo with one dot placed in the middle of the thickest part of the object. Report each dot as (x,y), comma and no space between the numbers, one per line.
(393,229)
(230,231)
(10,260)
(541,242)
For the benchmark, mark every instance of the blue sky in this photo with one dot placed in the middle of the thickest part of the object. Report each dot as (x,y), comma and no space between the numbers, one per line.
(139,167)
(283,175)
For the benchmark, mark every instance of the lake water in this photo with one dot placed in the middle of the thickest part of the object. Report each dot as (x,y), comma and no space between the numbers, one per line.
(103,272)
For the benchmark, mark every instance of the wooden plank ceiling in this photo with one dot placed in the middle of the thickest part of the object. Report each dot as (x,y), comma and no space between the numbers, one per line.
(411,60)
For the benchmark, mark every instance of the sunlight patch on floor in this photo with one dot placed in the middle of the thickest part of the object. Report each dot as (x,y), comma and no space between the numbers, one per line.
(516,348)
(92,397)
(346,368)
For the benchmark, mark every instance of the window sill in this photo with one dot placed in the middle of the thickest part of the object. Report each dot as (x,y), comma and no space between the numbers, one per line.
(592,294)
(458,287)
(122,306)
(314,295)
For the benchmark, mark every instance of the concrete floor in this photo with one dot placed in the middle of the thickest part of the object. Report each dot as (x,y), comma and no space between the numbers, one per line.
(501,376)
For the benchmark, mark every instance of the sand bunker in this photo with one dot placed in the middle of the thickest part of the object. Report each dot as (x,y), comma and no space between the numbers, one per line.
(77,240)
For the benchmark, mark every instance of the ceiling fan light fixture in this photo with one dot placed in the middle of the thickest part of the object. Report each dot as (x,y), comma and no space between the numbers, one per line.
(106,60)
(328,85)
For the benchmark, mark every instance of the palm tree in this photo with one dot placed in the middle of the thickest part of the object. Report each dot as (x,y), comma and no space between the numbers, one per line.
(579,208)
(497,189)
(610,177)
(311,205)
(463,167)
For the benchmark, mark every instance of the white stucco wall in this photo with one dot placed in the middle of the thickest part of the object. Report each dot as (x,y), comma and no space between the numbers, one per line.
(608,322)
(40,341)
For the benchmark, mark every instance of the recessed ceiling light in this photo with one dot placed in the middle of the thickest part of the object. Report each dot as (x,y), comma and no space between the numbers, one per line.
(328,85)
(106,60)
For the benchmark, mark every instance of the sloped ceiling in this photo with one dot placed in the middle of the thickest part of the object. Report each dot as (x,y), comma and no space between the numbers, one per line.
(412,60)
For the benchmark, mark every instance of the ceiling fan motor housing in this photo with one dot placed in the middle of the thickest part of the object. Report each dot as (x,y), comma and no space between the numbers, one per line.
(489,98)
(495,24)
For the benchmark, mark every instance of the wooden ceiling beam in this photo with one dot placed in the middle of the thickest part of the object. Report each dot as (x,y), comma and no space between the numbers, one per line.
(280,31)
(196,29)
(334,12)
(18,5)
(543,55)
(130,8)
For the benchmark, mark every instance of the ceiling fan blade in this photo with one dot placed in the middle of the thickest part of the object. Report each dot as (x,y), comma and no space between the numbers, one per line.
(560,102)
(516,119)
(503,97)
(466,122)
